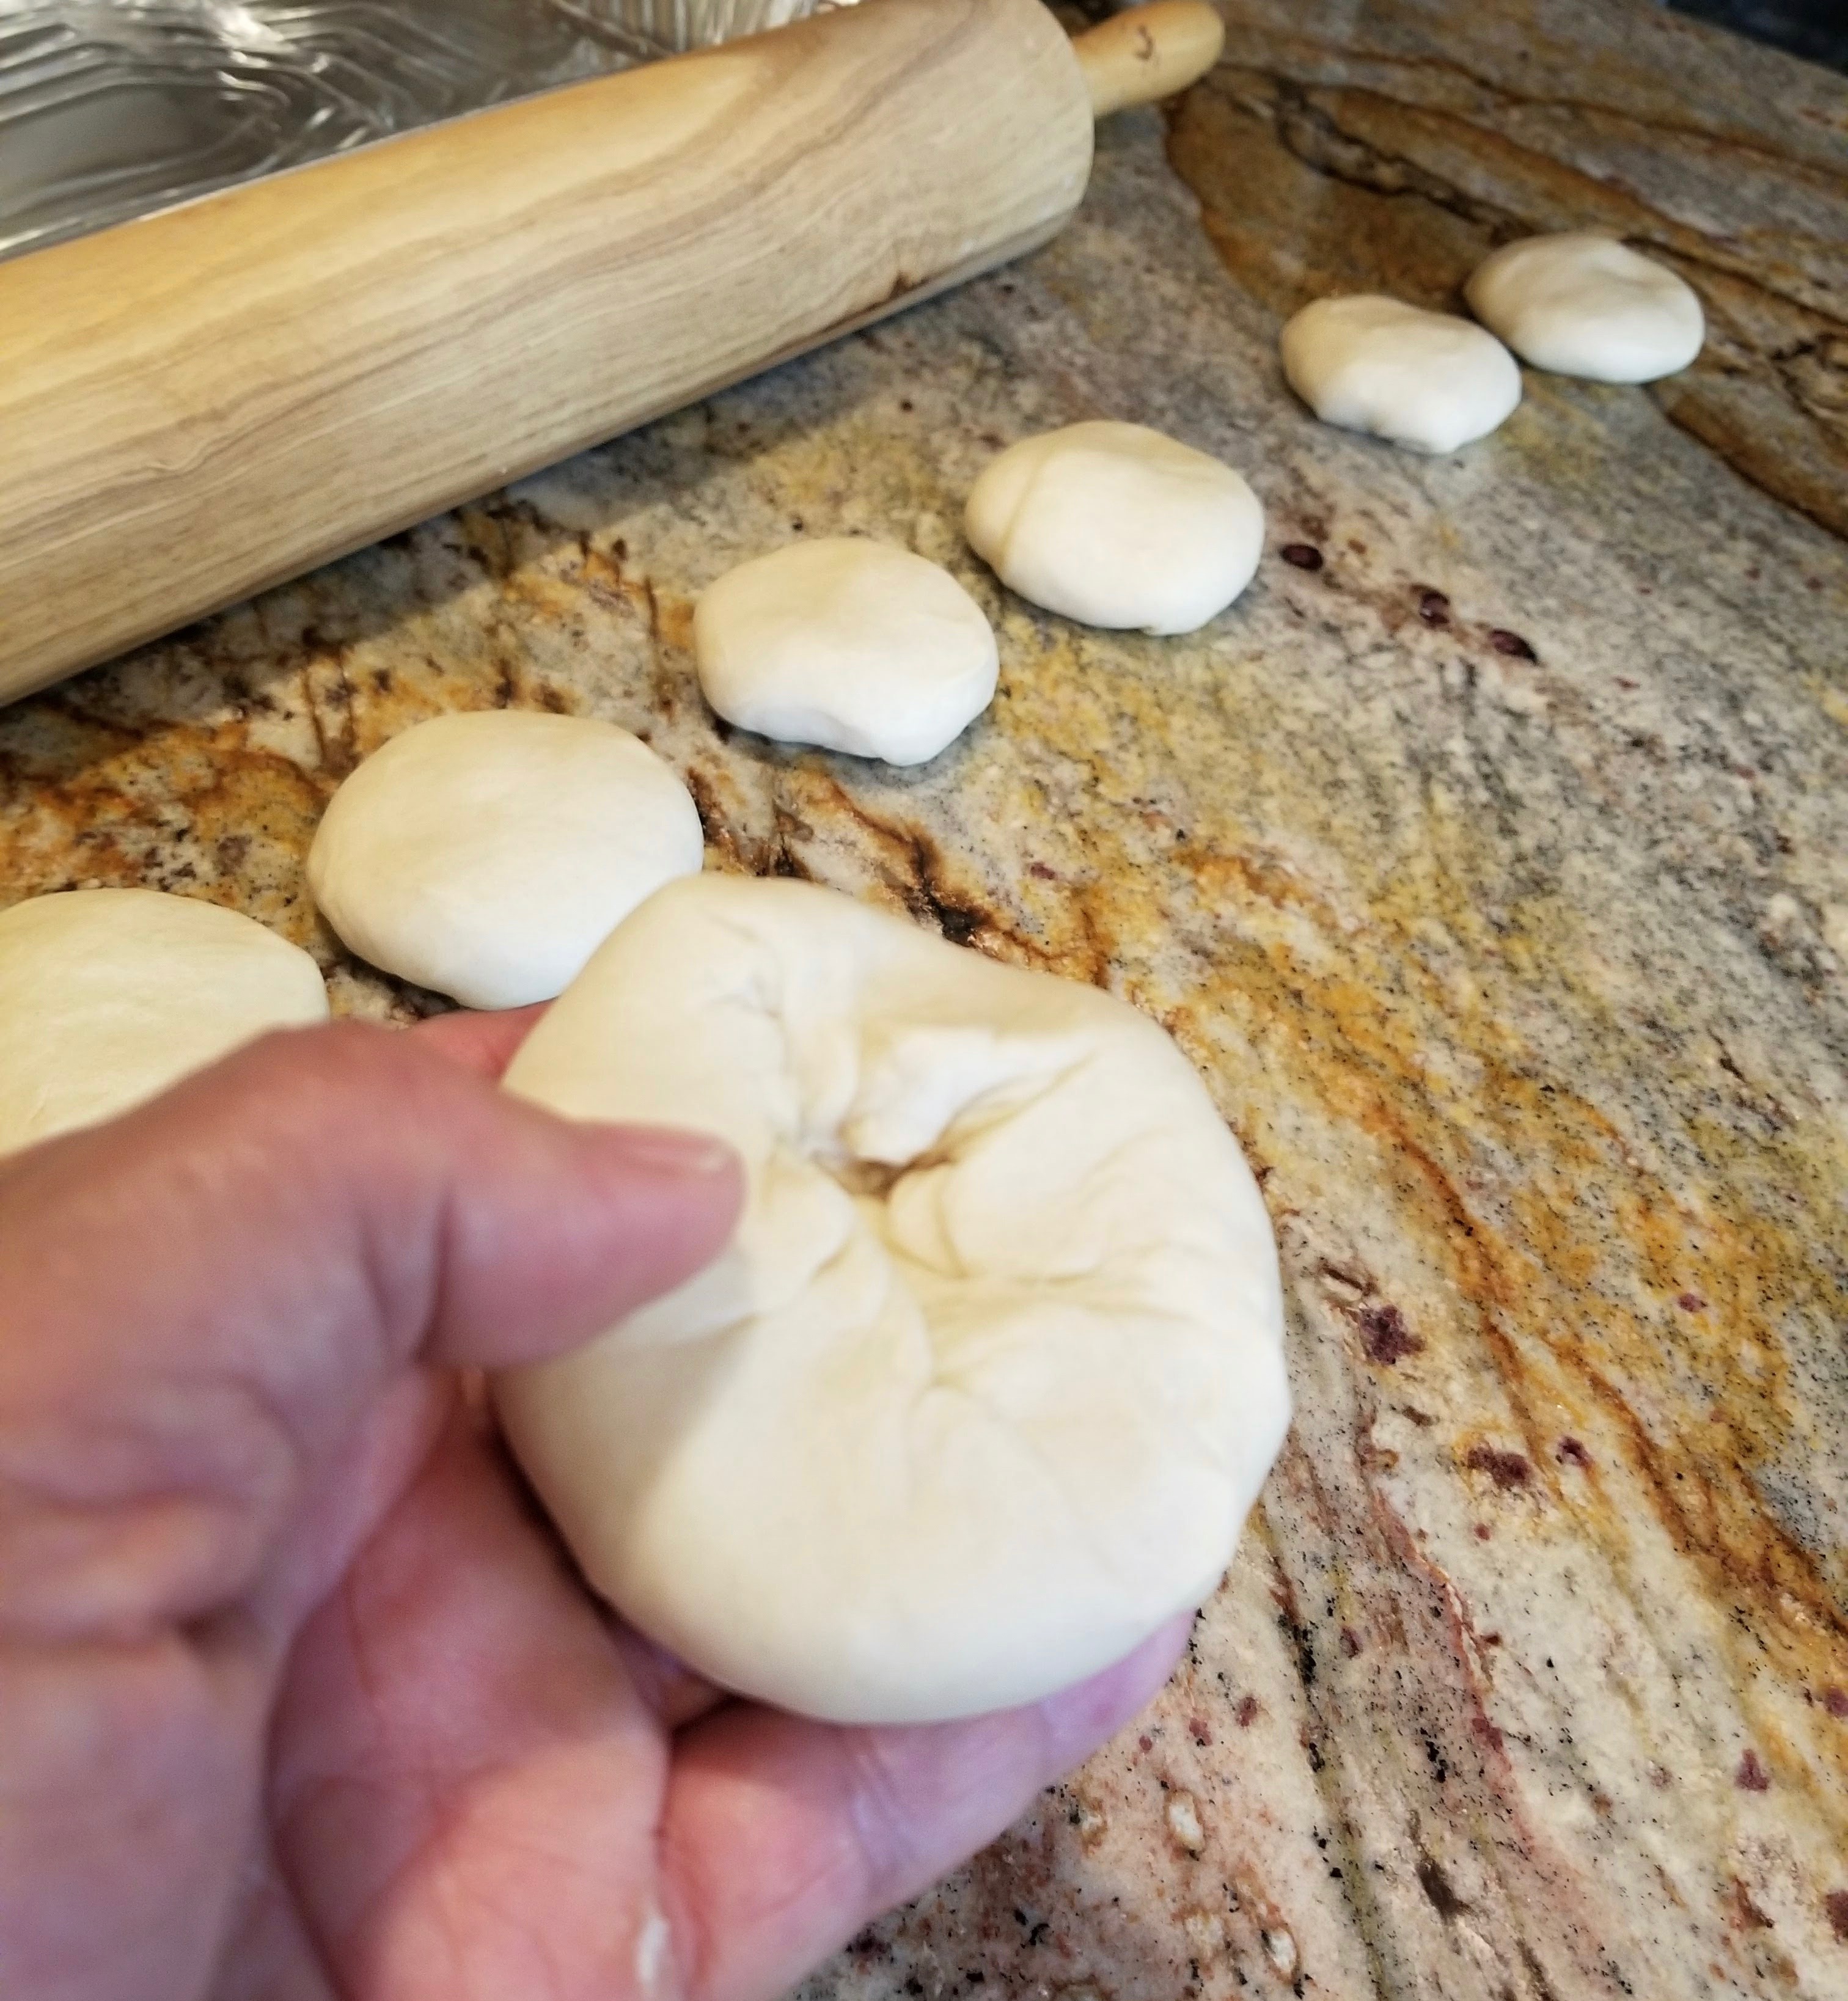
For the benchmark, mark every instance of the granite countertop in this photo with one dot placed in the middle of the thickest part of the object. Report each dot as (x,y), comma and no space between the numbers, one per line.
(1491,858)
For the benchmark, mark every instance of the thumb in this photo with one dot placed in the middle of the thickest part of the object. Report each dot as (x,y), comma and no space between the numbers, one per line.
(200,1302)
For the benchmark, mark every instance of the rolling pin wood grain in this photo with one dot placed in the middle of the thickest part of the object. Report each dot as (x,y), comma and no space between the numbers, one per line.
(216,398)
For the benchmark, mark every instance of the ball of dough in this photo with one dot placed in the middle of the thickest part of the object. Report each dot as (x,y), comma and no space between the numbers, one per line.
(109,996)
(1115,525)
(981,1390)
(1582,303)
(487,855)
(1426,380)
(850,644)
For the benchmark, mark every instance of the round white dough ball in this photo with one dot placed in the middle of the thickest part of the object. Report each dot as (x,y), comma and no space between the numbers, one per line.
(487,855)
(982,1387)
(1429,380)
(109,996)
(1583,303)
(1114,525)
(850,644)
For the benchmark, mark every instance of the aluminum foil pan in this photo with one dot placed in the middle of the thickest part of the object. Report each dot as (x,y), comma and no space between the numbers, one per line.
(111,108)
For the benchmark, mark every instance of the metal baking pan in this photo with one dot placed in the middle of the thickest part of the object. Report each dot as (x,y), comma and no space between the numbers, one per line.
(109,109)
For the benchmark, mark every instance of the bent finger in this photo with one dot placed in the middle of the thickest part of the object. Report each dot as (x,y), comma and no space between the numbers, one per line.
(782,1838)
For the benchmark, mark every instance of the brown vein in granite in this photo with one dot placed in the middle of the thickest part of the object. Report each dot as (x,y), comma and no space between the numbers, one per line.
(93,805)
(1520,1285)
(1263,149)
(1734,143)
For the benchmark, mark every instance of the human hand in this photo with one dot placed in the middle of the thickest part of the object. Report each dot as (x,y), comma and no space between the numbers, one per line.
(299,1698)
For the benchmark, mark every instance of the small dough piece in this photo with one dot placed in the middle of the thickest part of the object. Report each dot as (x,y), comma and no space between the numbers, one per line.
(981,1389)
(109,996)
(1582,303)
(487,855)
(1116,526)
(1429,380)
(850,644)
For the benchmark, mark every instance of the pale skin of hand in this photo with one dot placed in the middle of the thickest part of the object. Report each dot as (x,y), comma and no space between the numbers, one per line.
(299,1698)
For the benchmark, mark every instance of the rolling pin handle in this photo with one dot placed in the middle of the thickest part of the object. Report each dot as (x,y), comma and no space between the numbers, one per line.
(1149,52)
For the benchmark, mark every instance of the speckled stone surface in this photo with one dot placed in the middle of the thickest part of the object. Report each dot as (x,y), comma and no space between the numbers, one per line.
(1491,858)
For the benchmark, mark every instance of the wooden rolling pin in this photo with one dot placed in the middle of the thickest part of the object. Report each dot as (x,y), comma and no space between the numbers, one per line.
(208,401)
